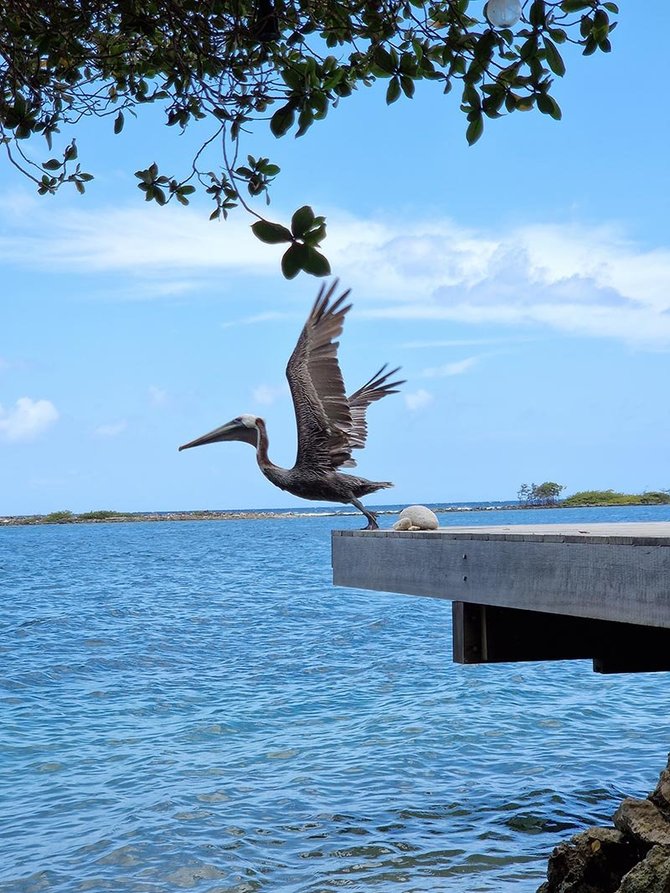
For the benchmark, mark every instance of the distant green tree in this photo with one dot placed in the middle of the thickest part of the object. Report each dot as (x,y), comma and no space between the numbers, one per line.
(546,493)
(62,517)
(613,497)
(523,493)
(285,63)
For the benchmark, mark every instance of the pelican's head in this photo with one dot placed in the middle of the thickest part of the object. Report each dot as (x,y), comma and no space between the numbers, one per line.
(244,427)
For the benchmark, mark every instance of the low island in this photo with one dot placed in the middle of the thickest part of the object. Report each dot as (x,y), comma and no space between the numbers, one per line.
(530,496)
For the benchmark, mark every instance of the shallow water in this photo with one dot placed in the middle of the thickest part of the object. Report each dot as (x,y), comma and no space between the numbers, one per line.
(194,706)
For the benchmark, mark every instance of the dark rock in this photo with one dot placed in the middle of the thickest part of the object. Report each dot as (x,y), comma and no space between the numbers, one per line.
(633,857)
(593,861)
(643,820)
(661,793)
(652,875)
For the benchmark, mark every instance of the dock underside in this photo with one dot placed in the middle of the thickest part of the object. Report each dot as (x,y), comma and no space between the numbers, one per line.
(488,634)
(559,592)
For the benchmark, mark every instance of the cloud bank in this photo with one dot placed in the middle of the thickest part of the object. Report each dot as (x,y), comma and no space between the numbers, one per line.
(577,279)
(26,420)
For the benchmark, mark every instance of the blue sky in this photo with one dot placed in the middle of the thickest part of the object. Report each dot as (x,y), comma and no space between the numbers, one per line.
(523,285)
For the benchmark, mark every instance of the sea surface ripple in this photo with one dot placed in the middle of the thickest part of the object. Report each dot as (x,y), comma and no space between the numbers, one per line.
(194,706)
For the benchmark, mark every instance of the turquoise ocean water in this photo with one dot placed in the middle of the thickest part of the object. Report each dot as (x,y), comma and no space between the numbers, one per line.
(194,706)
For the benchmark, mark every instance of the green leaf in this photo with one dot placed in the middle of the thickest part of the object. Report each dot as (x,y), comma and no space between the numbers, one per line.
(537,15)
(301,221)
(282,120)
(475,129)
(575,5)
(52,164)
(118,123)
(316,234)
(305,120)
(384,60)
(585,26)
(292,261)
(548,106)
(471,97)
(271,233)
(393,90)
(525,103)
(407,85)
(315,263)
(554,60)
(589,47)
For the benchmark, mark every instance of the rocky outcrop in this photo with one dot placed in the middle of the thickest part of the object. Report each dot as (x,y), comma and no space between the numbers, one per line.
(631,857)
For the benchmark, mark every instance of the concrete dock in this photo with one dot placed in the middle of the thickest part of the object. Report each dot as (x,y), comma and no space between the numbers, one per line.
(530,592)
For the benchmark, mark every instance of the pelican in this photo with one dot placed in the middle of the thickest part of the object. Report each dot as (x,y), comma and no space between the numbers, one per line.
(330,424)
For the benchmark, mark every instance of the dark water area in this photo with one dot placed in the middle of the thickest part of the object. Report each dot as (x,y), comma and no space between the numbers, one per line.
(194,706)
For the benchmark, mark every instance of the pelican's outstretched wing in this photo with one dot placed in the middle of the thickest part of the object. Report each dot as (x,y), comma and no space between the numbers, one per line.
(379,386)
(321,408)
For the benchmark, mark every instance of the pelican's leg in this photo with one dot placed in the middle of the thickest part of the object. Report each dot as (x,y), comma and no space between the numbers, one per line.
(372,518)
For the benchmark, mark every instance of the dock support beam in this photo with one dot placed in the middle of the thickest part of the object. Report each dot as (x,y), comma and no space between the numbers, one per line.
(486,634)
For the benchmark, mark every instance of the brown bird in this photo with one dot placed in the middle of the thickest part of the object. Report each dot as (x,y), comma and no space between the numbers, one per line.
(330,424)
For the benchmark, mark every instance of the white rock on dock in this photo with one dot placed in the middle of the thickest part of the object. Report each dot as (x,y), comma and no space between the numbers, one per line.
(416,517)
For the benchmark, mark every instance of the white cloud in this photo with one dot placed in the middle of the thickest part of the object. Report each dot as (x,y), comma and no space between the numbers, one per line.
(143,240)
(458,367)
(418,400)
(582,280)
(585,280)
(111,430)
(462,342)
(269,316)
(267,394)
(27,420)
(157,396)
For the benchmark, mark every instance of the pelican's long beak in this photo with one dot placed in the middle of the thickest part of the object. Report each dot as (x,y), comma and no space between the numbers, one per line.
(234,430)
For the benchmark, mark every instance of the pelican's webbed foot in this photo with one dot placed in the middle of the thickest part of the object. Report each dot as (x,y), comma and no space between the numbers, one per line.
(371,516)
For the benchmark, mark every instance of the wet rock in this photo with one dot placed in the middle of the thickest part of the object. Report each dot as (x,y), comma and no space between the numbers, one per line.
(593,861)
(419,517)
(661,793)
(643,820)
(652,875)
(633,857)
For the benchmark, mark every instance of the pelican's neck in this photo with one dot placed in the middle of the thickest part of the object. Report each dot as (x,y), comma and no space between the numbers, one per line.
(262,446)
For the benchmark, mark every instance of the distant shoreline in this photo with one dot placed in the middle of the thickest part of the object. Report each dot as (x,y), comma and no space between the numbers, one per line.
(112,517)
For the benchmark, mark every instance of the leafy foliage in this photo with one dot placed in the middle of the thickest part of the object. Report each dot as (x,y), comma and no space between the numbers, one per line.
(101,515)
(549,492)
(540,494)
(283,62)
(62,517)
(611,497)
